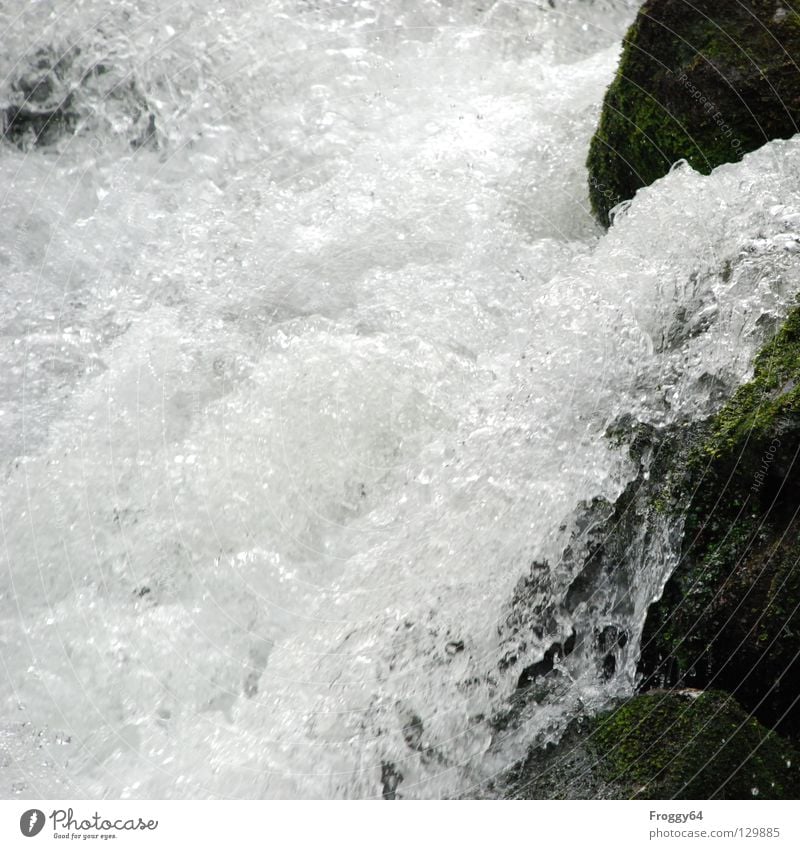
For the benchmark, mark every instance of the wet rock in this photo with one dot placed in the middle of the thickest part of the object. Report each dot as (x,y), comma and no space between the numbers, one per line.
(663,745)
(60,93)
(391,779)
(40,107)
(608,642)
(454,647)
(691,745)
(565,770)
(412,731)
(546,665)
(729,616)
(706,81)
(603,553)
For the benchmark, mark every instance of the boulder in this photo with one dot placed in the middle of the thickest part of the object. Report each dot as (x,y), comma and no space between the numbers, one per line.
(729,617)
(706,81)
(662,745)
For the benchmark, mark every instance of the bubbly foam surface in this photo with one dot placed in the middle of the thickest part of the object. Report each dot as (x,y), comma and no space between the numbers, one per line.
(300,383)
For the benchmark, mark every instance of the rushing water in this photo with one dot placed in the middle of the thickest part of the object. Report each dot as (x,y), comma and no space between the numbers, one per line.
(310,345)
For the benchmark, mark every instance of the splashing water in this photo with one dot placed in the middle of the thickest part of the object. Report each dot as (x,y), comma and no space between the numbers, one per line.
(311,345)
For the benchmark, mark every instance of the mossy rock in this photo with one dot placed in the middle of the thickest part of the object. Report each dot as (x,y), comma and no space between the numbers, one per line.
(729,616)
(706,81)
(663,745)
(692,745)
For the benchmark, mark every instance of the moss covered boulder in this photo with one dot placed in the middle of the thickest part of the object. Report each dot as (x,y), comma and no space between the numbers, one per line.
(706,81)
(692,745)
(718,715)
(730,615)
(664,745)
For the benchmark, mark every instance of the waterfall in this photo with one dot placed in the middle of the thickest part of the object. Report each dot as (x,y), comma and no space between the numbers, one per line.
(314,361)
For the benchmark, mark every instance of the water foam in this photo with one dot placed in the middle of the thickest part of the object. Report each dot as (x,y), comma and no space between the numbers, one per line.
(298,393)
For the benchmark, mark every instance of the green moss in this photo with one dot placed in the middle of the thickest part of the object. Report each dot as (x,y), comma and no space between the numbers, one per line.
(759,408)
(730,615)
(663,745)
(706,82)
(691,746)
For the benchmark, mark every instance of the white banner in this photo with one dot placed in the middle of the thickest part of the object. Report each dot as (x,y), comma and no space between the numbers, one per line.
(409,825)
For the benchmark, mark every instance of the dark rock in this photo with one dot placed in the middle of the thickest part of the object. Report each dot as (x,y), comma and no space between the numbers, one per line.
(59,94)
(454,647)
(566,770)
(563,632)
(412,732)
(41,101)
(664,745)
(729,616)
(727,489)
(543,667)
(706,81)
(691,745)
(391,779)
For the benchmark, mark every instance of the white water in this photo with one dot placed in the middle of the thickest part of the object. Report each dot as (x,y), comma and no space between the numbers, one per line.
(293,398)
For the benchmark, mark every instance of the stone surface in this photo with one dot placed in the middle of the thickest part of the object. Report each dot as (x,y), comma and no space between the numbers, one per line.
(730,615)
(663,745)
(706,81)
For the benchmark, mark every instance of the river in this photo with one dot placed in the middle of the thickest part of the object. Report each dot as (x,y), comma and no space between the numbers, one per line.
(311,347)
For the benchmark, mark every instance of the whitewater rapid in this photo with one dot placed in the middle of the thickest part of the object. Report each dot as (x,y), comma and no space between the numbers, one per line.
(299,389)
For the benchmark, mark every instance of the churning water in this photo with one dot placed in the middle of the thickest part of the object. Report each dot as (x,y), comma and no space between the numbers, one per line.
(310,345)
